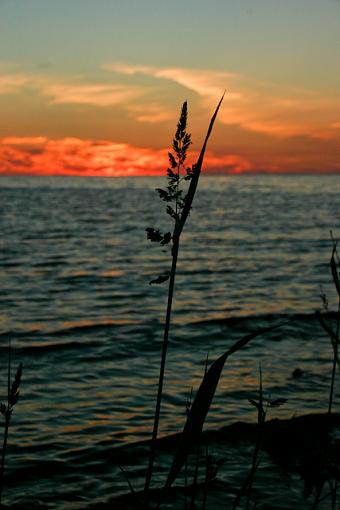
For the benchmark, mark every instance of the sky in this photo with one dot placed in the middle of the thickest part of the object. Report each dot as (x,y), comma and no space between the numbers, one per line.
(95,87)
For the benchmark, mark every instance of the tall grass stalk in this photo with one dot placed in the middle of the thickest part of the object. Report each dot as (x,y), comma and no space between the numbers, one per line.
(201,404)
(179,214)
(334,263)
(333,335)
(319,499)
(211,469)
(7,410)
(195,480)
(262,406)
(335,274)
(206,479)
(261,416)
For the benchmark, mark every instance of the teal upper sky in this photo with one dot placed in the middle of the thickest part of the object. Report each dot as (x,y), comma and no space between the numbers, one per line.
(291,41)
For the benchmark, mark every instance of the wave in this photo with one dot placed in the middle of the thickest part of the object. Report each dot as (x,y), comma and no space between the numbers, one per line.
(71,335)
(281,437)
(53,347)
(262,318)
(69,329)
(74,329)
(34,340)
(288,444)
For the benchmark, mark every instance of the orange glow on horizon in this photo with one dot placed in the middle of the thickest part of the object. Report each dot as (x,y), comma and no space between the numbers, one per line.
(74,156)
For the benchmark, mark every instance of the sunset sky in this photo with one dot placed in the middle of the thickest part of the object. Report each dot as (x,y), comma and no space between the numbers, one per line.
(94,87)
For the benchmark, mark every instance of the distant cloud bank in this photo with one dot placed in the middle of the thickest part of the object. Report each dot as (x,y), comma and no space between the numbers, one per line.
(261,127)
(73,156)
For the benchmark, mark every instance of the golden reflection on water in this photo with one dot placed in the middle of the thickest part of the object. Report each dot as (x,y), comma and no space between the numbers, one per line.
(86,323)
(111,274)
(72,273)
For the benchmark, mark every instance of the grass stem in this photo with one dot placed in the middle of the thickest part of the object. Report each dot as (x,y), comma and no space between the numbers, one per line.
(336,349)
(175,249)
(7,409)
(173,194)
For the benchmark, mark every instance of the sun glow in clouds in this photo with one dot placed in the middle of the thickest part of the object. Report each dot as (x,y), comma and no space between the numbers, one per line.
(88,94)
(73,156)
(275,128)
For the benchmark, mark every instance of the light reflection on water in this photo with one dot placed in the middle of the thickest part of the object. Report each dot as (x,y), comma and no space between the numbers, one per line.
(74,271)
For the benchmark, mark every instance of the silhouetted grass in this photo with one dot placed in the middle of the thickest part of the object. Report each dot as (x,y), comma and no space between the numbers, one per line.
(201,404)
(262,405)
(179,211)
(334,262)
(321,468)
(333,335)
(7,410)
(178,208)
(334,338)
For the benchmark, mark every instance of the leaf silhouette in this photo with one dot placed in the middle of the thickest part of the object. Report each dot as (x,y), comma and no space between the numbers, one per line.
(335,273)
(172,160)
(166,239)
(254,402)
(155,236)
(171,212)
(14,393)
(181,209)
(326,327)
(277,402)
(331,334)
(160,279)
(201,404)
(164,195)
(196,171)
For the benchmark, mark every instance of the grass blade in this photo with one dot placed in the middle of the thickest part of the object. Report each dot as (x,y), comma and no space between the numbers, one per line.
(326,327)
(201,404)
(335,273)
(196,174)
(331,335)
(179,224)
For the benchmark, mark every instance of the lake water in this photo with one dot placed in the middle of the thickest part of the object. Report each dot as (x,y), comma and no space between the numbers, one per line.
(76,304)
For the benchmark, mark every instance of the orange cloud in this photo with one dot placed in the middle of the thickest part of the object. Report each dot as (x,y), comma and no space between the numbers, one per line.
(73,156)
